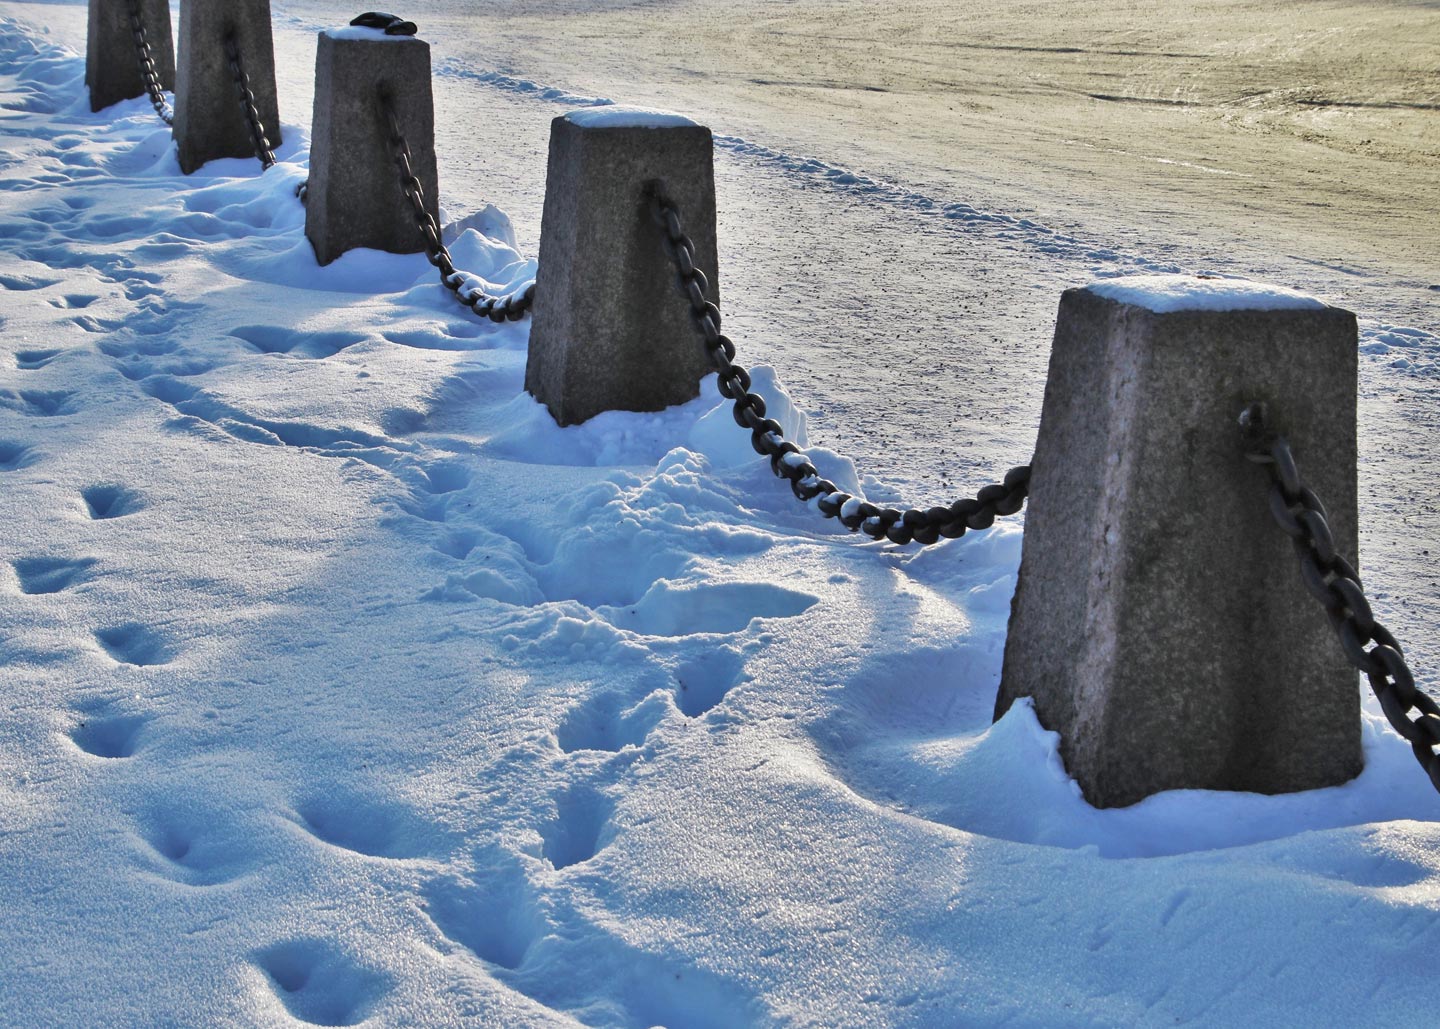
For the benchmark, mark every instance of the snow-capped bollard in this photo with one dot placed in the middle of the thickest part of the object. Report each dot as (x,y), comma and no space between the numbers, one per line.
(210,119)
(1160,623)
(610,330)
(112,58)
(355,198)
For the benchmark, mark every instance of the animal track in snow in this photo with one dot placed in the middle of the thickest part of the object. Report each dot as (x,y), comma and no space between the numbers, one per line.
(670,610)
(364,826)
(275,339)
(109,737)
(14,456)
(319,985)
(574,835)
(135,644)
(496,921)
(51,574)
(110,501)
(31,360)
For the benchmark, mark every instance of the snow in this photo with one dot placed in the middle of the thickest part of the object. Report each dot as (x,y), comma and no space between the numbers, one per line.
(619,116)
(1166,293)
(362,32)
(343,686)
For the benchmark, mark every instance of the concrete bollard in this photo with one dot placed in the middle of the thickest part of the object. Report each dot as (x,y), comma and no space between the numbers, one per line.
(112,62)
(209,120)
(1160,623)
(354,198)
(609,330)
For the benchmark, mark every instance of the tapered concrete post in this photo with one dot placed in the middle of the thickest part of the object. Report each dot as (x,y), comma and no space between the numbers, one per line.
(112,62)
(210,121)
(355,198)
(610,331)
(1160,623)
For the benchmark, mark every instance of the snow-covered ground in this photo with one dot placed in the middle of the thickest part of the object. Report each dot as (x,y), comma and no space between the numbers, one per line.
(341,685)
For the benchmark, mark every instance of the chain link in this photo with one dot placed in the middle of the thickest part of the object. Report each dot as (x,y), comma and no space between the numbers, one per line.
(511,306)
(787,460)
(258,138)
(1333,581)
(148,71)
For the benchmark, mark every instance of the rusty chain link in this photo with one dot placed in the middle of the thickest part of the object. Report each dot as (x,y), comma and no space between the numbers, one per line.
(258,138)
(148,71)
(1333,581)
(510,306)
(787,460)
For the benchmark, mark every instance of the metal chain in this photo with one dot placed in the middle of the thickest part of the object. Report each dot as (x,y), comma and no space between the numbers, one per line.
(1333,581)
(258,138)
(787,460)
(148,71)
(511,306)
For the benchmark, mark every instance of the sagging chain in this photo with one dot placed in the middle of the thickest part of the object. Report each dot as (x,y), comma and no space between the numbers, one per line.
(148,71)
(787,460)
(510,306)
(258,139)
(1333,581)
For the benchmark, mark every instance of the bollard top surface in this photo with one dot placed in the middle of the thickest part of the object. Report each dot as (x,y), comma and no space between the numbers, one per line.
(620,116)
(1165,294)
(368,35)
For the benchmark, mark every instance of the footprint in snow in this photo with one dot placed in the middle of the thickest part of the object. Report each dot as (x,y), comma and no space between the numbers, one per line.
(494,917)
(670,610)
(320,985)
(193,847)
(135,644)
(25,282)
(110,501)
(109,736)
(604,723)
(275,339)
(137,348)
(32,360)
(704,680)
(51,574)
(579,829)
(74,301)
(39,403)
(14,456)
(374,828)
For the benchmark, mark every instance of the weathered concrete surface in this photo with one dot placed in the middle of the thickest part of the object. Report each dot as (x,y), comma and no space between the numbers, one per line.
(1160,623)
(355,198)
(209,121)
(112,64)
(610,329)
